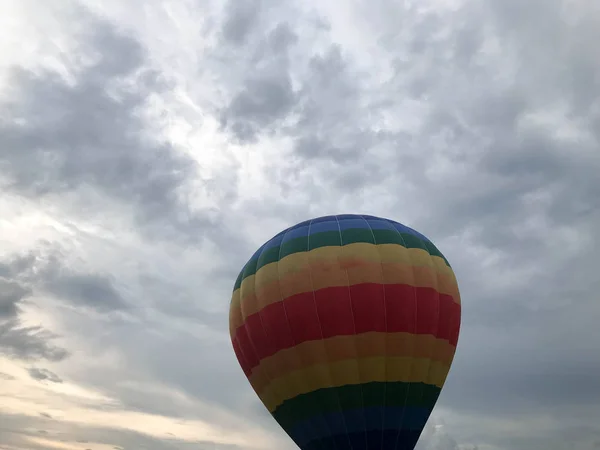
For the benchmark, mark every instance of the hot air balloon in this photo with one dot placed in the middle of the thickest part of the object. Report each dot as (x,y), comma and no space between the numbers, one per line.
(346,327)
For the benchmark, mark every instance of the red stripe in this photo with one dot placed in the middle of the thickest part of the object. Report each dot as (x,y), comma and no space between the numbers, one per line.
(240,356)
(246,347)
(336,311)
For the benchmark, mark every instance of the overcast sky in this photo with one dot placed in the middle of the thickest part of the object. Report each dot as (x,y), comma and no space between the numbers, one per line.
(146,150)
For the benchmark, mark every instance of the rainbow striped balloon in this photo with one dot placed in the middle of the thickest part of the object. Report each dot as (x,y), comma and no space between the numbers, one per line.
(346,327)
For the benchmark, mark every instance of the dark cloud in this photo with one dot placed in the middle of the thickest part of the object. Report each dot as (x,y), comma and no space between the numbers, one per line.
(36,270)
(267,95)
(45,269)
(95,291)
(29,342)
(43,375)
(17,264)
(241,18)
(89,134)
(17,339)
(11,293)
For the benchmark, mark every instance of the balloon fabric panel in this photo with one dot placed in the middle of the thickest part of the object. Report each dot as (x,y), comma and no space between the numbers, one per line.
(346,327)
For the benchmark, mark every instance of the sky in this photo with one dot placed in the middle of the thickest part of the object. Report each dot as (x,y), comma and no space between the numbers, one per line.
(146,151)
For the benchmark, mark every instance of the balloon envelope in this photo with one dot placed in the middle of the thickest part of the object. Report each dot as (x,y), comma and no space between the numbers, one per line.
(346,327)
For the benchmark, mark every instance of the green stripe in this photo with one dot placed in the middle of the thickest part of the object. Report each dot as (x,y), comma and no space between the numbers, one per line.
(365,395)
(238,281)
(434,251)
(332,238)
(269,256)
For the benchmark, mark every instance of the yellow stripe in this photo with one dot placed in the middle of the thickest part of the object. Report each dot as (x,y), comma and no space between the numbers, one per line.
(339,266)
(260,373)
(340,348)
(347,256)
(351,372)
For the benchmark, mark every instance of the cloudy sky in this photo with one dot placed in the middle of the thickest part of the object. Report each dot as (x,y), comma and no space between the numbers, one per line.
(147,150)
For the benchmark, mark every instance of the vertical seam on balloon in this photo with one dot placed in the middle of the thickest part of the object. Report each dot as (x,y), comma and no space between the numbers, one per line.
(318,440)
(416,318)
(322,335)
(385,358)
(437,328)
(362,396)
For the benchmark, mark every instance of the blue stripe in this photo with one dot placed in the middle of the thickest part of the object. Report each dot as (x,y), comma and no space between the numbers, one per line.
(371,440)
(348,216)
(381,224)
(404,229)
(332,223)
(325,219)
(274,242)
(349,224)
(320,227)
(295,233)
(353,421)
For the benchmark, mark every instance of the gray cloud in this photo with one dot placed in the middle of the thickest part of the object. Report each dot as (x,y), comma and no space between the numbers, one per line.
(44,375)
(267,95)
(44,273)
(29,342)
(16,338)
(16,265)
(45,270)
(11,293)
(478,126)
(436,437)
(521,188)
(240,20)
(89,135)
(93,290)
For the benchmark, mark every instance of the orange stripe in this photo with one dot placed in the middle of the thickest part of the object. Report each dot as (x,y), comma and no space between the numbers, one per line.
(340,348)
(352,372)
(345,257)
